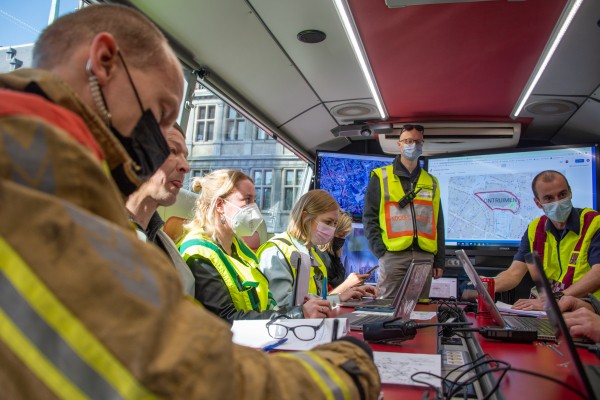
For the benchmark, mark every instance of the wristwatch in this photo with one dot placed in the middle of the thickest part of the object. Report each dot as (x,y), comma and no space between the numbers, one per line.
(558,295)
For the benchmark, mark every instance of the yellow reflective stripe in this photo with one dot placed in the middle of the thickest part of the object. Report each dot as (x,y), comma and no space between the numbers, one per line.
(332,374)
(51,310)
(36,362)
(326,378)
(328,394)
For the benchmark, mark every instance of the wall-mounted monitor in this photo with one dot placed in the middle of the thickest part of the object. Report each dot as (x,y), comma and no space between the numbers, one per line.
(346,176)
(487,198)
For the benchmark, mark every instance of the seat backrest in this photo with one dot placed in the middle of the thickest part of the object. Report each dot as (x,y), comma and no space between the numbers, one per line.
(174,227)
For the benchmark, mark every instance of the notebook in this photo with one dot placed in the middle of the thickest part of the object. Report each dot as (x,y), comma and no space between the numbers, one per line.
(405,300)
(542,326)
(588,376)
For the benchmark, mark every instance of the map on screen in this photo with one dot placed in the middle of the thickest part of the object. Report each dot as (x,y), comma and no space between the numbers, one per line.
(346,176)
(487,199)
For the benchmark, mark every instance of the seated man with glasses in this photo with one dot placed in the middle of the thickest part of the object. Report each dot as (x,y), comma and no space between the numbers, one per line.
(403,216)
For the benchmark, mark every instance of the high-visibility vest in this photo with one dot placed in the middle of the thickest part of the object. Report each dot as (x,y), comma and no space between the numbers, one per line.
(417,220)
(284,243)
(571,251)
(248,287)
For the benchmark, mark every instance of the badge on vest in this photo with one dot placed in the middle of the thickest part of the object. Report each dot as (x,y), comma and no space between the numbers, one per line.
(574,257)
(426,194)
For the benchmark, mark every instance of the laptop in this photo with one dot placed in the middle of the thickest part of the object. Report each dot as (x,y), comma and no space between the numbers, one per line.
(384,305)
(588,376)
(370,302)
(542,326)
(405,300)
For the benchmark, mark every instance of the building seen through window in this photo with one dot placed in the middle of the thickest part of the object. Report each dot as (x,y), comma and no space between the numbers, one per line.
(218,136)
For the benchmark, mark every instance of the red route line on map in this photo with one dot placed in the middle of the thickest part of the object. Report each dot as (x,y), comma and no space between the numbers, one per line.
(499,208)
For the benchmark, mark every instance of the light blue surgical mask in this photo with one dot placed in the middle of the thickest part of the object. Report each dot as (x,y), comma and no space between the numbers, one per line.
(412,152)
(559,210)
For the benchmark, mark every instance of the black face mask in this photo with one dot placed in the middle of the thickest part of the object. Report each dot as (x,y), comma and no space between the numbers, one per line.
(146,145)
(337,243)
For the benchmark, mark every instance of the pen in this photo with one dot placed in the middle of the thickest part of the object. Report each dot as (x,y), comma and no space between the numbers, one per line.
(275,344)
(324,288)
(336,322)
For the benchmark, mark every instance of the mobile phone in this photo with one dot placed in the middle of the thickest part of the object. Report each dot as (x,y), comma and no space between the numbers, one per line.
(372,269)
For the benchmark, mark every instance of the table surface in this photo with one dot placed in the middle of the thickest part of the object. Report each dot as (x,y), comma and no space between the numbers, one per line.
(536,357)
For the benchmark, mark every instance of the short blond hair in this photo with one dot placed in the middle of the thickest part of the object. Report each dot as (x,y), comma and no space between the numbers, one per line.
(218,184)
(312,204)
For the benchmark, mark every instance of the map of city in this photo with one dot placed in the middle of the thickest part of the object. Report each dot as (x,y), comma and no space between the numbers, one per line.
(346,180)
(490,207)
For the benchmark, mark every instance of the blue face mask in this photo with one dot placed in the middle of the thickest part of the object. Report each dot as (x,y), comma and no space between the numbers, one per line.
(412,152)
(558,211)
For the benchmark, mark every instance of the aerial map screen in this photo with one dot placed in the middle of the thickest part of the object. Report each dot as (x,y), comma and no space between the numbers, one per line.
(346,176)
(487,199)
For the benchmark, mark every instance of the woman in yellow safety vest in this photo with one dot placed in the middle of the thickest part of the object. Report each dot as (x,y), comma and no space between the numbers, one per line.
(227,279)
(312,223)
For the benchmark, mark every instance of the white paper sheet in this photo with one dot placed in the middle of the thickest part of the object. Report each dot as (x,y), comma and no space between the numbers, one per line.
(397,368)
(253,333)
(507,308)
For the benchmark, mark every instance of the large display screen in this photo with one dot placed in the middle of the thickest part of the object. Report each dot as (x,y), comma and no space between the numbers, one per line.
(487,198)
(346,176)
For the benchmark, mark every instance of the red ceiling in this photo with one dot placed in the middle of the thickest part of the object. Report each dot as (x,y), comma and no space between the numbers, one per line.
(454,61)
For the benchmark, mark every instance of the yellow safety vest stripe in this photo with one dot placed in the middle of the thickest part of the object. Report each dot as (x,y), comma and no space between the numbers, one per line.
(79,347)
(570,265)
(247,286)
(38,364)
(284,243)
(332,386)
(418,220)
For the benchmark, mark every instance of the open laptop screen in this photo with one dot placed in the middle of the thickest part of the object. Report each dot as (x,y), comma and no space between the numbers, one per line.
(411,289)
(476,280)
(564,342)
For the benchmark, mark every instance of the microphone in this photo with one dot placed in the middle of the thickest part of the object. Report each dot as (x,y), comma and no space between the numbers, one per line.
(397,330)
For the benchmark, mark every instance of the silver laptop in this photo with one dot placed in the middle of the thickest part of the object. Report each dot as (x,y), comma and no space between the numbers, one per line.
(588,376)
(542,326)
(405,301)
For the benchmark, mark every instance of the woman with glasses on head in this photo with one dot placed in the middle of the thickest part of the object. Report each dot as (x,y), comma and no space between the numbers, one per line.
(312,223)
(227,279)
(403,216)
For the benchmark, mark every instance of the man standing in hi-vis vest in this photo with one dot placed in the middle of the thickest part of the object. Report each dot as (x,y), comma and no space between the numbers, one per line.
(567,240)
(403,216)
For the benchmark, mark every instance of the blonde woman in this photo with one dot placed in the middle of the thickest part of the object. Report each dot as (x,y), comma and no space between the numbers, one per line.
(330,254)
(227,279)
(312,223)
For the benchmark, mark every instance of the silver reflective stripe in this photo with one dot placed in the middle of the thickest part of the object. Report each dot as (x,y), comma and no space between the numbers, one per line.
(52,345)
(424,218)
(126,264)
(385,188)
(334,388)
(30,166)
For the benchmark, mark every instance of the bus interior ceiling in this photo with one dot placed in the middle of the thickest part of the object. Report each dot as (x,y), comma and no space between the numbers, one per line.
(457,68)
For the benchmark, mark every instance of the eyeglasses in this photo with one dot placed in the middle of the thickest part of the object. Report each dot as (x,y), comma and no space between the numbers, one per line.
(411,141)
(302,332)
(410,127)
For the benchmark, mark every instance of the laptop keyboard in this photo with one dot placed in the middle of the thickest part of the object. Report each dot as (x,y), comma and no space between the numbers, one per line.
(369,318)
(542,326)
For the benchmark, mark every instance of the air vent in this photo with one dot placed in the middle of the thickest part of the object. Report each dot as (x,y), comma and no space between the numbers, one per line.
(452,137)
(551,107)
(354,111)
(406,3)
